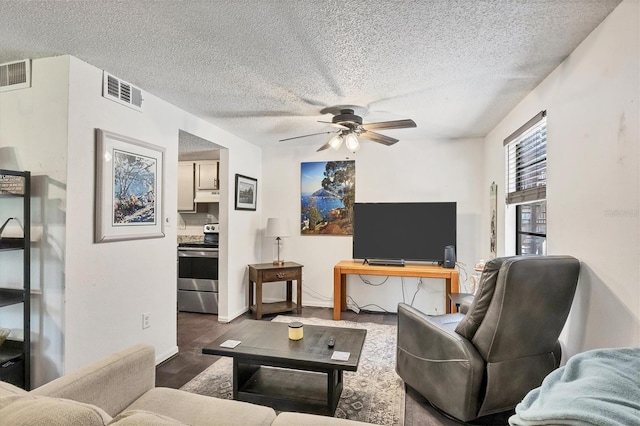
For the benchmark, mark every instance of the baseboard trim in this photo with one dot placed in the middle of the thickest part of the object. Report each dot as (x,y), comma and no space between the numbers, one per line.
(317,304)
(160,358)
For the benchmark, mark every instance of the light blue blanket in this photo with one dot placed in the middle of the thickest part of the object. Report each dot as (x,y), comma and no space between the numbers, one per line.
(599,387)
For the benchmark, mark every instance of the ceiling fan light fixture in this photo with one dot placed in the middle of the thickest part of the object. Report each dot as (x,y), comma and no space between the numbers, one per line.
(335,142)
(352,128)
(351,142)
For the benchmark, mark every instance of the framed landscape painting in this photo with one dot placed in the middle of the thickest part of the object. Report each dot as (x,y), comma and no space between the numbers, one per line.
(246,192)
(327,194)
(129,188)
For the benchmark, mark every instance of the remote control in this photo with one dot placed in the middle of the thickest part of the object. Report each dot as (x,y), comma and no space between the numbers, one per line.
(332,342)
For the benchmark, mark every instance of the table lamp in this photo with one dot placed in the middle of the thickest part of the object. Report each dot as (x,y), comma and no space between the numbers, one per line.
(9,158)
(277,227)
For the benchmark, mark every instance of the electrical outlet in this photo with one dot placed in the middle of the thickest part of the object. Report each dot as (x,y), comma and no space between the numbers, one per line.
(145,321)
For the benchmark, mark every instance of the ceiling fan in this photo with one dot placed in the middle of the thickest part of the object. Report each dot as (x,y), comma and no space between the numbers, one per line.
(350,128)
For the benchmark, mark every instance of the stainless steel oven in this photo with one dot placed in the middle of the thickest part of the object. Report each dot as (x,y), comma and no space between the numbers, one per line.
(198,277)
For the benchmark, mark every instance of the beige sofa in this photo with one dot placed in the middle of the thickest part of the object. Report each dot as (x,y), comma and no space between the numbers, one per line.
(120,390)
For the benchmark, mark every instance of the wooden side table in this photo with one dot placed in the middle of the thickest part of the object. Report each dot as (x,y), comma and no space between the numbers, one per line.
(267,273)
(346,267)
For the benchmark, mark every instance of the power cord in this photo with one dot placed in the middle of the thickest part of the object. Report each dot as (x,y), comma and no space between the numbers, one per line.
(365,311)
(367,282)
(318,295)
(417,290)
(402,281)
(463,271)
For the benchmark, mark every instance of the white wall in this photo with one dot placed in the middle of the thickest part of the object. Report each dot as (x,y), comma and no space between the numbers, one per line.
(110,285)
(411,170)
(34,122)
(592,176)
(93,295)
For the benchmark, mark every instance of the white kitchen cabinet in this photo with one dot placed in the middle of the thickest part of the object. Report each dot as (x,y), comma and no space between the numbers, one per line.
(197,183)
(186,188)
(206,175)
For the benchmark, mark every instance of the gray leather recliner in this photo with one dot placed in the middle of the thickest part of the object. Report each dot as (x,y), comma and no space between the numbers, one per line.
(485,361)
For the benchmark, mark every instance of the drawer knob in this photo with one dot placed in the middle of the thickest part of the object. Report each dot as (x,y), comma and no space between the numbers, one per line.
(280,274)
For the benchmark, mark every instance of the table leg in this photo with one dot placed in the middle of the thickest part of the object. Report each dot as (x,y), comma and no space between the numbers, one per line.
(289,291)
(452,286)
(259,298)
(299,295)
(250,293)
(337,293)
(236,381)
(447,299)
(343,292)
(242,373)
(334,389)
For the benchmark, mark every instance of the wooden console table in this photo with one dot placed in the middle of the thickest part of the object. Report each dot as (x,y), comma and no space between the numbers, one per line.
(348,267)
(267,273)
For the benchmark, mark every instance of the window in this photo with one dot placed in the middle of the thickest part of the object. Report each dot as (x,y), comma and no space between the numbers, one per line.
(531,228)
(526,184)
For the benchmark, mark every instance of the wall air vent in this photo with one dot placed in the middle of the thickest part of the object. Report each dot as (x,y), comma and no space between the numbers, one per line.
(15,75)
(122,92)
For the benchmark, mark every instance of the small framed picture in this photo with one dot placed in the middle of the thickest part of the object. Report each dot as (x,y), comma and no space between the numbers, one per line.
(129,188)
(246,192)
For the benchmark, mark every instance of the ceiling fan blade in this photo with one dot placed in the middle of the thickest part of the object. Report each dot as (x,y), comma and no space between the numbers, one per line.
(323,147)
(377,137)
(396,124)
(339,126)
(304,136)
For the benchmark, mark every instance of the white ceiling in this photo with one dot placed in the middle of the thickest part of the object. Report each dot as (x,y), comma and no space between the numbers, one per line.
(266,69)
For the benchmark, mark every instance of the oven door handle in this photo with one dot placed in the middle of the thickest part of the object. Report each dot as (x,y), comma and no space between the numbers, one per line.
(197,253)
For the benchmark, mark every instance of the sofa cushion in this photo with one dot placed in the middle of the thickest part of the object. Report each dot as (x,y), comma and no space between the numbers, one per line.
(111,383)
(480,304)
(41,410)
(198,409)
(142,417)
(7,389)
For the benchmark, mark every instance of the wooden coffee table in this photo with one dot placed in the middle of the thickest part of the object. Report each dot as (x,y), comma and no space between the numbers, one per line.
(305,378)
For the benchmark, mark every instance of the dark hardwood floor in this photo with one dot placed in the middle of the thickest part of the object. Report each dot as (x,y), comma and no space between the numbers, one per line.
(196,330)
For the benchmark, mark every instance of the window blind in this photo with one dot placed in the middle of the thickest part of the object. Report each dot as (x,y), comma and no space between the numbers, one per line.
(526,160)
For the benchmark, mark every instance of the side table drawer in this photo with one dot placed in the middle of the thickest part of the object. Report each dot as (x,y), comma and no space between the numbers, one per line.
(282,275)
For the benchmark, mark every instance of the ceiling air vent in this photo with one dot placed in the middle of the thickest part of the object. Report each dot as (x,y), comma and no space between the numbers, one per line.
(15,75)
(122,92)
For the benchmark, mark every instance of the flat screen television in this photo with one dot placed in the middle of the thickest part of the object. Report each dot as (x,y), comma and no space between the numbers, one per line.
(403,231)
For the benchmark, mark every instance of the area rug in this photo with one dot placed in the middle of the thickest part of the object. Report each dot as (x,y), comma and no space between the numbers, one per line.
(373,394)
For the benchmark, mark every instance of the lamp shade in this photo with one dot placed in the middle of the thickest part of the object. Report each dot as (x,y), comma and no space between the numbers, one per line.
(277,227)
(9,158)
(351,142)
(335,142)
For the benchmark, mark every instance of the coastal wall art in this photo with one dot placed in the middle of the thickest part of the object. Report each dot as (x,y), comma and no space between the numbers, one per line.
(327,194)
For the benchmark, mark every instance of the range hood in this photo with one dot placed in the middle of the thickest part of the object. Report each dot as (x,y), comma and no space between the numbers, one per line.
(208,196)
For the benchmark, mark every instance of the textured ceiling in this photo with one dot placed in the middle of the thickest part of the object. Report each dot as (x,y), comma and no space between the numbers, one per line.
(265,69)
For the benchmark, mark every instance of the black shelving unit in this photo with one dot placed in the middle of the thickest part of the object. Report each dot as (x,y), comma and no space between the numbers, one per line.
(15,355)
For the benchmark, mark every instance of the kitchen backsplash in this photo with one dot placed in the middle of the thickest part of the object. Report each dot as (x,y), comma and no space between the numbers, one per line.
(190,238)
(192,223)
